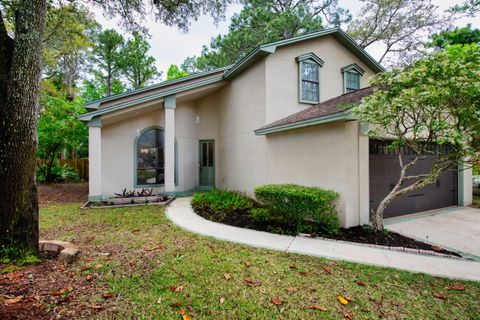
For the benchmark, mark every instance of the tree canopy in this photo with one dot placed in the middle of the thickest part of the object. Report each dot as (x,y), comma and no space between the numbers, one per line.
(262,21)
(465,35)
(433,102)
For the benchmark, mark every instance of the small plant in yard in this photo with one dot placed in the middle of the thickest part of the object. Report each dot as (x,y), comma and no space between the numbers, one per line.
(220,203)
(305,209)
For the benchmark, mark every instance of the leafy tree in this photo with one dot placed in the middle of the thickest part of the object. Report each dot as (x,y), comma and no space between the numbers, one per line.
(66,42)
(20,70)
(263,21)
(137,66)
(396,26)
(97,88)
(433,102)
(465,35)
(174,72)
(468,8)
(59,129)
(107,55)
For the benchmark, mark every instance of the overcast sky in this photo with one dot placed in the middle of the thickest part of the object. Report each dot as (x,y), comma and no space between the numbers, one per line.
(170,46)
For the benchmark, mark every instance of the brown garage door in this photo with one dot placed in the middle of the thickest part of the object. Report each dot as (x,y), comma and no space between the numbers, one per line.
(385,171)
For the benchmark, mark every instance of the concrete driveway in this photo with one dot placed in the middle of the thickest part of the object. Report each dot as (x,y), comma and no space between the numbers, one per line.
(455,228)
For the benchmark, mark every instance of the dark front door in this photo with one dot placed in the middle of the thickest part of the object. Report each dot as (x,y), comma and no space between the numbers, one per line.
(384,174)
(207,162)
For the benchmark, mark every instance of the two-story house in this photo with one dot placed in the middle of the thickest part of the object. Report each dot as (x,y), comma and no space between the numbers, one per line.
(276,116)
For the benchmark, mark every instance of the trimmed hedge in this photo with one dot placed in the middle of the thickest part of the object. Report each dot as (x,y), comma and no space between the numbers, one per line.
(305,209)
(219,203)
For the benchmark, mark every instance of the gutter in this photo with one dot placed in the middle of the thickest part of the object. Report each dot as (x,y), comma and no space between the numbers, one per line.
(339,116)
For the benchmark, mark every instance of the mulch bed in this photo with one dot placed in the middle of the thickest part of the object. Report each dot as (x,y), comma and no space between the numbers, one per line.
(62,193)
(357,234)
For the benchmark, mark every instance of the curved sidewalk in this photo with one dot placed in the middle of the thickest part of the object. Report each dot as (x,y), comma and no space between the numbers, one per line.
(181,214)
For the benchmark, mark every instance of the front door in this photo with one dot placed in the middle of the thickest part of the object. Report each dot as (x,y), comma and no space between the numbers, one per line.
(207,162)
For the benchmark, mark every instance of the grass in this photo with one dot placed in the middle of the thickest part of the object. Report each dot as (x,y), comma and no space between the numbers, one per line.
(149,258)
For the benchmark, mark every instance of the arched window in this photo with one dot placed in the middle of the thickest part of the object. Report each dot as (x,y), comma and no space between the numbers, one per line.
(150,160)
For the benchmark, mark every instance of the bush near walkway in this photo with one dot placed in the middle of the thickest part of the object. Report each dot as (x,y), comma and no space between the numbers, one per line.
(295,205)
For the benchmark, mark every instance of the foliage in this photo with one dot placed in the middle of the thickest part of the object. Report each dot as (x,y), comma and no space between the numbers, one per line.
(266,21)
(465,35)
(294,205)
(18,257)
(468,8)
(95,89)
(174,72)
(59,130)
(435,101)
(56,173)
(137,66)
(396,27)
(66,43)
(220,203)
(107,56)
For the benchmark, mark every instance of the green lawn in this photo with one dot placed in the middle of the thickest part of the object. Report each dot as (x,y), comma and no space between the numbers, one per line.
(156,270)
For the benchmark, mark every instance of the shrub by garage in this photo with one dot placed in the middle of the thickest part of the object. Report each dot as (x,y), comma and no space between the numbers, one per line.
(305,209)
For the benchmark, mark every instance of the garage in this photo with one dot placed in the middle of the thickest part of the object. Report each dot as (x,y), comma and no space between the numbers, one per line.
(385,171)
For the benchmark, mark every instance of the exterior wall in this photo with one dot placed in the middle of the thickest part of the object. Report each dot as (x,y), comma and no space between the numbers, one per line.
(282,85)
(324,156)
(241,161)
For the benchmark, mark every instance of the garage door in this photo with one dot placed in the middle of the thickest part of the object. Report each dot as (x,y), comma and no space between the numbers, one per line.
(385,171)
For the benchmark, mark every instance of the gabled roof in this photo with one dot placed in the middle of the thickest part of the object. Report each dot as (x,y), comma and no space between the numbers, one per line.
(225,73)
(269,48)
(335,109)
(96,103)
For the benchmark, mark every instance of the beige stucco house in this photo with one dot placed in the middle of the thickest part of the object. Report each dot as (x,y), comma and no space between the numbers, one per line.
(276,116)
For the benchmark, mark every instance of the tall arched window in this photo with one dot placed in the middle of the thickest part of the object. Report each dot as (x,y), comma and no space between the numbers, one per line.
(150,158)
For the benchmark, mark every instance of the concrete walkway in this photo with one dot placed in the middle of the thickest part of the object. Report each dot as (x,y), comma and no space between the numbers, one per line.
(181,214)
(456,229)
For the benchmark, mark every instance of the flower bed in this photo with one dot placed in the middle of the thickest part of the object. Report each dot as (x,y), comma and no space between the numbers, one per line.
(236,209)
(130,198)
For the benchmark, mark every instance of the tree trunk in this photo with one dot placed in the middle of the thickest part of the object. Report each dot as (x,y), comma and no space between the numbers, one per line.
(20,68)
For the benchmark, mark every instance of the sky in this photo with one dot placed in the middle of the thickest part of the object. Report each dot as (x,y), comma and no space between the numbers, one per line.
(171,46)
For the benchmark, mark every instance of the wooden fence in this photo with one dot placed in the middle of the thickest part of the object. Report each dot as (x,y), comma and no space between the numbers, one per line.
(80,165)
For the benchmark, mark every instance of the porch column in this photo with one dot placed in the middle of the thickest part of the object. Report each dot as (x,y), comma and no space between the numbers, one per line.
(95,159)
(170,104)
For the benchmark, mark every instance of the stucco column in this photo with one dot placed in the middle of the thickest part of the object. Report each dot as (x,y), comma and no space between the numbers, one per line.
(464,186)
(170,104)
(95,159)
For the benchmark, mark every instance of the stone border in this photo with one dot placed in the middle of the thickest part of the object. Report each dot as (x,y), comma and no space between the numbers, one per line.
(66,251)
(165,203)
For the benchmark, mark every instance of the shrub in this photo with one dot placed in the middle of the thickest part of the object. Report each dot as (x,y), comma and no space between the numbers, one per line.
(260,215)
(57,174)
(219,204)
(305,209)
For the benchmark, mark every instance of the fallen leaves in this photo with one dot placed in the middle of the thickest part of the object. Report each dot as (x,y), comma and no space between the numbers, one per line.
(327,269)
(176,288)
(348,315)
(251,282)
(361,283)
(342,300)
(319,308)
(293,266)
(222,300)
(292,289)
(108,295)
(89,277)
(276,301)
(457,287)
(440,295)
(227,276)
(13,300)
(175,304)
(248,264)
(161,246)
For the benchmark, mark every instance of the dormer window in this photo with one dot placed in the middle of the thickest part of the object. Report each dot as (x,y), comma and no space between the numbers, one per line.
(309,77)
(351,77)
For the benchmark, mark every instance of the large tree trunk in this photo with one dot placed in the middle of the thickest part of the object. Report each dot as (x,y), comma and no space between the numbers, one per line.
(20,68)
